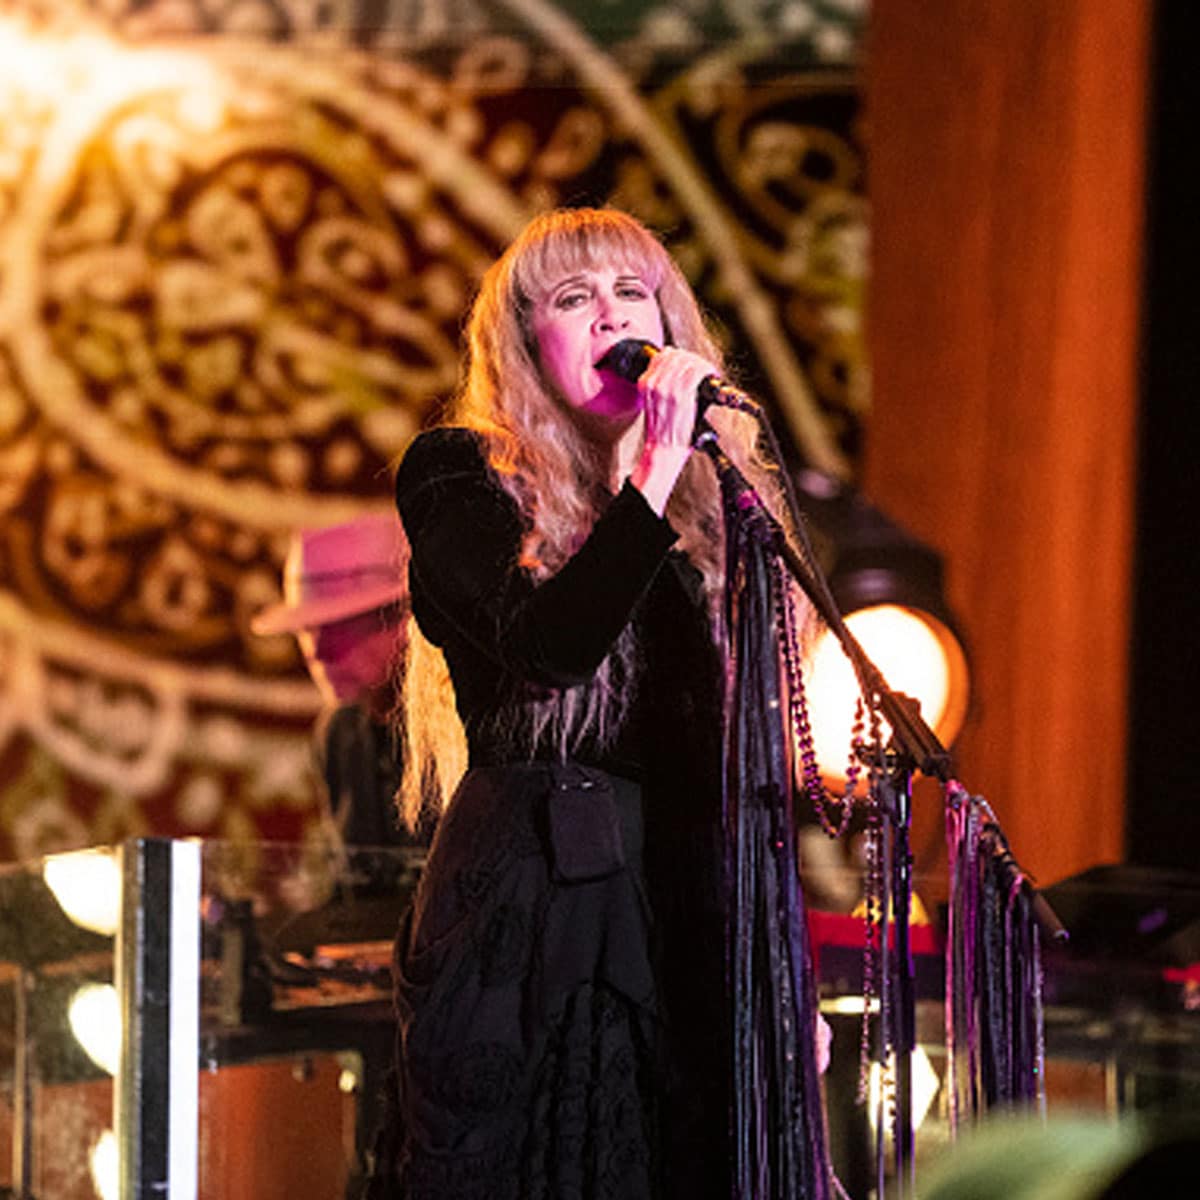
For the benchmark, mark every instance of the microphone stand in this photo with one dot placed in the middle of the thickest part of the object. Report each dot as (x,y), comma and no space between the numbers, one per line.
(913,747)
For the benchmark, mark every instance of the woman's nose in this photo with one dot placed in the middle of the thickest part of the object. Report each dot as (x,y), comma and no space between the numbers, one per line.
(610,317)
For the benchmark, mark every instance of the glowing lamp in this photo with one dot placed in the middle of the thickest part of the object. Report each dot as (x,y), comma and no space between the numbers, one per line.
(881,1089)
(104,1164)
(87,886)
(889,588)
(94,1014)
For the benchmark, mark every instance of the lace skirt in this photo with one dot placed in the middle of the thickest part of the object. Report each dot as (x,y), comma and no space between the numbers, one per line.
(529,1039)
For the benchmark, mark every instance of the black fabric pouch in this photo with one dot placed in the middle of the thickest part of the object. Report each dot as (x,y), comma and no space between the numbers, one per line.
(586,842)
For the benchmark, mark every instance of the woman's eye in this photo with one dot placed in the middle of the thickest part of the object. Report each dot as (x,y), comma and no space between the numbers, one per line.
(573,297)
(632,292)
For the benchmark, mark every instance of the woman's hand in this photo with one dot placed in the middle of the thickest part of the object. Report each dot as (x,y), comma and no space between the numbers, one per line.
(668,389)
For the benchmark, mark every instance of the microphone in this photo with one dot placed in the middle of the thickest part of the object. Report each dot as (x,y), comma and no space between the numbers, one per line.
(630,357)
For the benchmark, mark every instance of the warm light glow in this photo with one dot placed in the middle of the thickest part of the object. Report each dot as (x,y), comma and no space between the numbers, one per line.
(104,1162)
(96,69)
(87,886)
(881,1083)
(847,1006)
(918,657)
(94,1015)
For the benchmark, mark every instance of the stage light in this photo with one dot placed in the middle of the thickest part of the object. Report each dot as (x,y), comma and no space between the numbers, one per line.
(94,1014)
(104,1164)
(87,886)
(881,1089)
(82,71)
(889,587)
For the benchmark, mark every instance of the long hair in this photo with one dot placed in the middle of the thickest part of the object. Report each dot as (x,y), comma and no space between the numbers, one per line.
(557,477)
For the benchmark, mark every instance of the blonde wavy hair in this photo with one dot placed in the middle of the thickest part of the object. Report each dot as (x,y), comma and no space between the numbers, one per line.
(558,479)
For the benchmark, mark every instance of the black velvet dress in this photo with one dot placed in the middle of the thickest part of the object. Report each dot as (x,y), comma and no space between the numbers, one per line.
(562,1026)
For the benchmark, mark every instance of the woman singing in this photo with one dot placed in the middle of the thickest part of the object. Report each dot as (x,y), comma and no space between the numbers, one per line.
(563,1023)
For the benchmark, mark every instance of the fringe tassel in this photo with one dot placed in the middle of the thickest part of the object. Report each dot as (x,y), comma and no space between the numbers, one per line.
(994,1022)
(780,1150)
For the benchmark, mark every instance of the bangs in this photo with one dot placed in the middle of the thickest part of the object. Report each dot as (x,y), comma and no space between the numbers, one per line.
(565,242)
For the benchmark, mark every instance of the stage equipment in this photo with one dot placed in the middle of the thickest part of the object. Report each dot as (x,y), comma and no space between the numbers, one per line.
(889,587)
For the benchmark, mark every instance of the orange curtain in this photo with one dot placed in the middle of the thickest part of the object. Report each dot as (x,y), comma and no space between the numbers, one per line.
(1006,146)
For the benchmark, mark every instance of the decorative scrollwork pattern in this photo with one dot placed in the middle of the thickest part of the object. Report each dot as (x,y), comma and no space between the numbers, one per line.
(237,238)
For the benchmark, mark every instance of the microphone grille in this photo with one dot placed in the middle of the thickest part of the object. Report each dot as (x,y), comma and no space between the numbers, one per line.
(628,358)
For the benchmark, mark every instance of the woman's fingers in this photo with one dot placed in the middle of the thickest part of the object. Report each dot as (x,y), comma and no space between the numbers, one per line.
(669,387)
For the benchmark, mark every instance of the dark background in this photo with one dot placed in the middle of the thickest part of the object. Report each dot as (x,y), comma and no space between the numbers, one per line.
(1163,819)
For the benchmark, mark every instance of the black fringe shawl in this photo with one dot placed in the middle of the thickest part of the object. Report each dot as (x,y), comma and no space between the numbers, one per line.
(780,1150)
(994,1019)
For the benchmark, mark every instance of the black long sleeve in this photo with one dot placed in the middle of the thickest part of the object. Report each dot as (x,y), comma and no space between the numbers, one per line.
(471,595)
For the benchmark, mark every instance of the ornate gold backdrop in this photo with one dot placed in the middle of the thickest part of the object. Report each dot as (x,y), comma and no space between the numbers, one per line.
(236,243)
